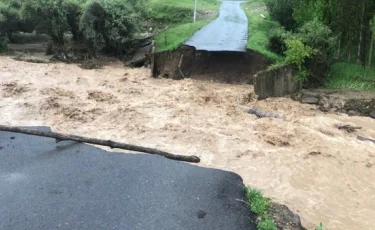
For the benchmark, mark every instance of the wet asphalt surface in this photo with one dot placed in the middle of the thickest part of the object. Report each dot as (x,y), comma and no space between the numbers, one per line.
(229,32)
(44,185)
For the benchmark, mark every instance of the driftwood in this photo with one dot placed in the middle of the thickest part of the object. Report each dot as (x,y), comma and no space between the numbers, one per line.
(259,113)
(348,128)
(365,139)
(64,137)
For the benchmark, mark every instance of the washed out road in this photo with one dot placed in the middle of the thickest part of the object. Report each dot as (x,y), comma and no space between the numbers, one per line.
(229,32)
(44,185)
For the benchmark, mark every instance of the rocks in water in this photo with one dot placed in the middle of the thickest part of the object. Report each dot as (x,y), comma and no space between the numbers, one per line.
(372,114)
(307,93)
(353,113)
(310,97)
(201,214)
(310,100)
(284,218)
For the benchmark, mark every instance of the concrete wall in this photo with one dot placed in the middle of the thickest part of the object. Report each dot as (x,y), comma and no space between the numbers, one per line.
(276,83)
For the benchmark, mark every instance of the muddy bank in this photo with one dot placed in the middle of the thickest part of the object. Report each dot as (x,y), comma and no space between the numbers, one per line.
(304,161)
(224,67)
(343,101)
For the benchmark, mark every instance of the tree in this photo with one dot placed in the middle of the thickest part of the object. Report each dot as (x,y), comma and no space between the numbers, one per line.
(51,15)
(282,11)
(9,18)
(372,28)
(296,54)
(113,23)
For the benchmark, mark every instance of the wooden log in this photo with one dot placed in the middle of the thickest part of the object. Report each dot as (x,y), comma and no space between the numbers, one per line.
(348,128)
(365,139)
(62,137)
(259,113)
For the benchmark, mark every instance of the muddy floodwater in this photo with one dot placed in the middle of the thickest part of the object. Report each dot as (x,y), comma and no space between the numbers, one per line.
(322,173)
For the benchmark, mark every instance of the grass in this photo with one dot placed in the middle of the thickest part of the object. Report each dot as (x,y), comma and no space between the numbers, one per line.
(259,29)
(172,38)
(351,76)
(181,11)
(320,227)
(201,4)
(178,15)
(259,205)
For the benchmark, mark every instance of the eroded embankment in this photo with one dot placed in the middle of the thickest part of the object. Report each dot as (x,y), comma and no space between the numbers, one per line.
(224,67)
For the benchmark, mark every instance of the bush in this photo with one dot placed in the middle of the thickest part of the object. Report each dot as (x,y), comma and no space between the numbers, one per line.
(3,44)
(73,15)
(112,23)
(318,36)
(282,11)
(9,18)
(52,17)
(296,54)
(276,40)
(92,25)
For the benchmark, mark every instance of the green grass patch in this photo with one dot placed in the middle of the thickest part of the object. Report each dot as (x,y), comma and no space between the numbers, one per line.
(201,4)
(259,205)
(259,29)
(167,14)
(351,76)
(172,38)
(181,11)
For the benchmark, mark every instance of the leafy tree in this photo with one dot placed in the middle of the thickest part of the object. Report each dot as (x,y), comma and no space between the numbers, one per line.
(73,15)
(297,52)
(9,18)
(372,28)
(282,11)
(51,15)
(112,23)
(92,25)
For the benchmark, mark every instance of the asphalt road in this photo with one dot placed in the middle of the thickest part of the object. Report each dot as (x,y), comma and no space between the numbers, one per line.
(229,32)
(44,185)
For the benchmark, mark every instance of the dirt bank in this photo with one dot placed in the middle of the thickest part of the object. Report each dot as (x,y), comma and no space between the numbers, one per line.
(322,173)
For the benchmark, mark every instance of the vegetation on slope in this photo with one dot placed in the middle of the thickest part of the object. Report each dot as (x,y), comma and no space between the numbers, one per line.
(330,32)
(259,29)
(259,205)
(351,76)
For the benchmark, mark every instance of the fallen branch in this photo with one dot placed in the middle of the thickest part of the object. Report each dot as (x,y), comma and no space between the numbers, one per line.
(348,128)
(64,137)
(365,139)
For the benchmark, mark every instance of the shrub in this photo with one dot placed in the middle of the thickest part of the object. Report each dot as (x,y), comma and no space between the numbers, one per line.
(276,40)
(73,15)
(9,18)
(52,17)
(296,54)
(282,11)
(3,44)
(110,23)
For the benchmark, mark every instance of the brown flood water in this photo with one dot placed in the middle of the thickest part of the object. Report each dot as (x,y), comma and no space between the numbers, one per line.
(321,173)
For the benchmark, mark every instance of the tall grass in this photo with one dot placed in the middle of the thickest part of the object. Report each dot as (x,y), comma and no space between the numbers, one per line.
(351,76)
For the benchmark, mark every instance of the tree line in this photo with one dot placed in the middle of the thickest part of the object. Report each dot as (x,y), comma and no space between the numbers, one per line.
(316,33)
(110,24)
